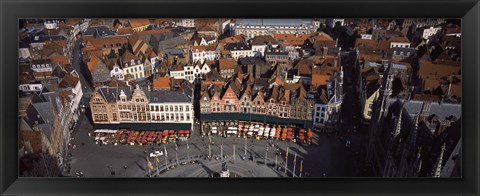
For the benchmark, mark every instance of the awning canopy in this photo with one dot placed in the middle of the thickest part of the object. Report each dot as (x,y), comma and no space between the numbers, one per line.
(105,131)
(255,117)
(145,126)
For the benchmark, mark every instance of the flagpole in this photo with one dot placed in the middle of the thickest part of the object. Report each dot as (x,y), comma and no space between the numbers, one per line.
(294,164)
(245,146)
(266,155)
(301,167)
(166,156)
(209,146)
(188,152)
(276,159)
(176,152)
(148,166)
(221,151)
(286,160)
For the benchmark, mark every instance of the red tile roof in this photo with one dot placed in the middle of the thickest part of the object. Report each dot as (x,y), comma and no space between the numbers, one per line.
(437,70)
(162,83)
(134,23)
(68,81)
(227,64)
(291,39)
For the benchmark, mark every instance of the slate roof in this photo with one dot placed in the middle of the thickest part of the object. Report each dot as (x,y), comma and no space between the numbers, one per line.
(168,97)
(213,76)
(443,110)
(45,110)
(262,82)
(236,46)
(113,93)
(251,60)
(98,31)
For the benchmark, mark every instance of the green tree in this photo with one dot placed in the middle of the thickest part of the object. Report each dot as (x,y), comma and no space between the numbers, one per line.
(112,55)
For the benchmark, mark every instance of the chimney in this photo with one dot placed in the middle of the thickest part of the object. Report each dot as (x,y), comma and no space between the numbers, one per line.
(148,88)
(324,51)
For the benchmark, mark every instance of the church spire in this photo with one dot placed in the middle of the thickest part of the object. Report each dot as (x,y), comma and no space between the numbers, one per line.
(438,166)
(398,126)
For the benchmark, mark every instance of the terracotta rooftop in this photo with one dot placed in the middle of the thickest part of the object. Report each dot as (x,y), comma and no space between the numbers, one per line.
(456,90)
(320,79)
(321,36)
(93,62)
(431,84)
(200,22)
(68,81)
(128,56)
(264,39)
(100,43)
(233,39)
(126,30)
(291,39)
(162,83)
(429,69)
(226,63)
(206,27)
(399,39)
(60,59)
(134,23)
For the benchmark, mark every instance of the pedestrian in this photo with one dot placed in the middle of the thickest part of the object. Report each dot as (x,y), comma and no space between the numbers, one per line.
(125,166)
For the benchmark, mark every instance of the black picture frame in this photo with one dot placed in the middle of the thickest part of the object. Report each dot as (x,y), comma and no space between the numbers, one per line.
(12,10)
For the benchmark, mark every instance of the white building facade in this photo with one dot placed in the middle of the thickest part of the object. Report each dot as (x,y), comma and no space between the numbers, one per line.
(135,68)
(117,72)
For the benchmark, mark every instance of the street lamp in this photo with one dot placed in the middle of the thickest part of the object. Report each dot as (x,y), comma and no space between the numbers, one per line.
(188,152)
(166,156)
(245,147)
(221,150)
(286,159)
(176,152)
(209,146)
(266,155)
(234,150)
(294,164)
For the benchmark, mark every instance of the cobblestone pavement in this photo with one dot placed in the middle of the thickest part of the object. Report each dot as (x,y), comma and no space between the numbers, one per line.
(328,155)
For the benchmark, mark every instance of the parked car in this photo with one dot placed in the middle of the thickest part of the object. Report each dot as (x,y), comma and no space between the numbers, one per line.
(348,144)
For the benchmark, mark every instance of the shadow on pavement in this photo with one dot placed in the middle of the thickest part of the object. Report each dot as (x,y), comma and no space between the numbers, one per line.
(140,166)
